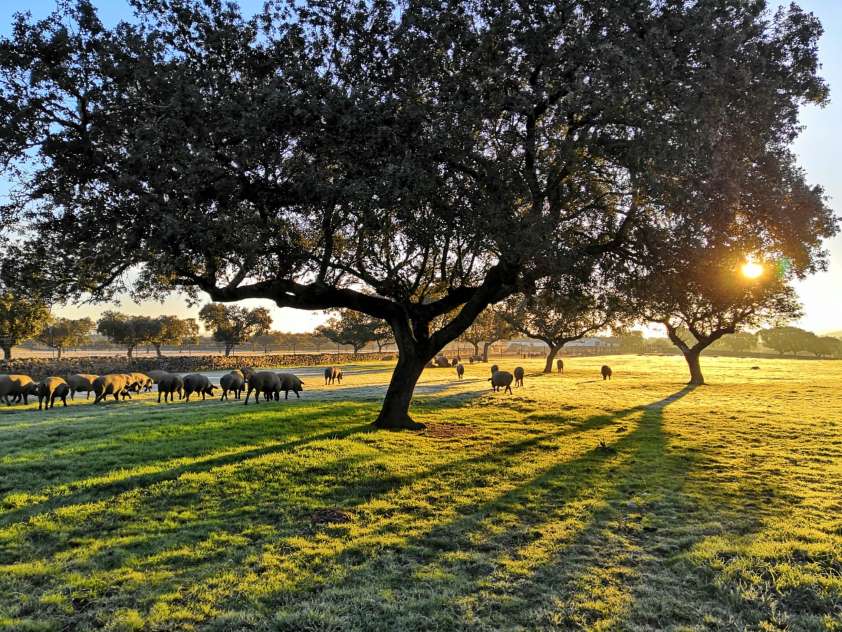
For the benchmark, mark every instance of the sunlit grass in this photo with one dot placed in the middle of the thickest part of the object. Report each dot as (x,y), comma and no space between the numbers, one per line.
(574,504)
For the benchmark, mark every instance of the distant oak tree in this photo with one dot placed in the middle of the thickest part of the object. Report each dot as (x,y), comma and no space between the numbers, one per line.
(63,333)
(489,327)
(557,313)
(172,330)
(127,331)
(351,328)
(22,317)
(233,325)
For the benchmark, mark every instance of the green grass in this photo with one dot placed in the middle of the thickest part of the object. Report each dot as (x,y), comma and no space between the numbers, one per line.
(635,504)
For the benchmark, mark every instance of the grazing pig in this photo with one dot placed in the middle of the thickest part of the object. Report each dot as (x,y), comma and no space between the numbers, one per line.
(143,382)
(115,384)
(264,382)
(519,376)
(169,384)
(559,365)
(157,374)
(234,381)
(501,379)
(81,383)
(18,387)
(197,383)
(460,371)
(606,372)
(49,389)
(333,374)
(290,382)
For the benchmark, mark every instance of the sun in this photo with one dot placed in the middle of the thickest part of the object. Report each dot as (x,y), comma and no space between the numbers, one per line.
(751,269)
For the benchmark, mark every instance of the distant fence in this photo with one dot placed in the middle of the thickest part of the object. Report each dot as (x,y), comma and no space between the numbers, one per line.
(99,365)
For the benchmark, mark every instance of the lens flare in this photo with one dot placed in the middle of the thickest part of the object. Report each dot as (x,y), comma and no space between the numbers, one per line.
(751,269)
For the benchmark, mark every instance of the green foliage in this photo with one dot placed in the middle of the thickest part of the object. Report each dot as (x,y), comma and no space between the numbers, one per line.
(489,327)
(128,331)
(234,325)
(172,330)
(739,342)
(794,340)
(353,328)
(706,509)
(62,333)
(558,311)
(786,339)
(22,317)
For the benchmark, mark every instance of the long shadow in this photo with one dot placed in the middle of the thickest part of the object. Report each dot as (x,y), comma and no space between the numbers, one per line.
(633,548)
(363,489)
(65,492)
(565,481)
(603,476)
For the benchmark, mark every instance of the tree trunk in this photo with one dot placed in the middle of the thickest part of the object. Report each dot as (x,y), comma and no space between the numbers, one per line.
(548,366)
(485,347)
(7,352)
(395,411)
(228,350)
(129,352)
(58,353)
(158,351)
(476,348)
(695,366)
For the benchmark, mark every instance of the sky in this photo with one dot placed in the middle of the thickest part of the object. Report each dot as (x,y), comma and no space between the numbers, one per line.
(818,150)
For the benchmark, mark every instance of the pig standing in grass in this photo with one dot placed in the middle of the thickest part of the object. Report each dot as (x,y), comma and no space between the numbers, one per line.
(559,365)
(49,389)
(81,383)
(169,385)
(606,372)
(333,374)
(234,381)
(264,382)
(519,376)
(197,383)
(290,382)
(460,371)
(501,379)
(17,387)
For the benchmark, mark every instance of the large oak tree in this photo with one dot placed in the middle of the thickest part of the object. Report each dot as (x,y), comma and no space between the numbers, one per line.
(416,162)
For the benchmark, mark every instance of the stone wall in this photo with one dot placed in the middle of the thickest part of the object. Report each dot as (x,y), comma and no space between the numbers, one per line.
(39,368)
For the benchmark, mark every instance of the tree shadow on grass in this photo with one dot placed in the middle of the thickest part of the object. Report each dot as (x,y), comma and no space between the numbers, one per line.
(500,559)
(627,567)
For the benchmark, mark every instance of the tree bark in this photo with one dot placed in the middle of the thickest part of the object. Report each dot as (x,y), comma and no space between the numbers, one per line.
(692,356)
(414,352)
(7,352)
(548,366)
(129,352)
(476,348)
(485,347)
(394,414)
(158,351)
(58,353)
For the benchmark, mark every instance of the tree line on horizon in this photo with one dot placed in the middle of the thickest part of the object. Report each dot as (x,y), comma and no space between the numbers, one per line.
(234,326)
(571,164)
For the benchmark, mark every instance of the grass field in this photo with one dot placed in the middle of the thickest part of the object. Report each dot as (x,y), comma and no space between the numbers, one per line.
(635,504)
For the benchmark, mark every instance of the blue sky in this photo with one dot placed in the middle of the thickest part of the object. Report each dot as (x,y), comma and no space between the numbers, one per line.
(818,149)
